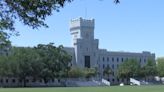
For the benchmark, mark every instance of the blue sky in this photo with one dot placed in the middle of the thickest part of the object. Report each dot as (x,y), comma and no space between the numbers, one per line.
(132,25)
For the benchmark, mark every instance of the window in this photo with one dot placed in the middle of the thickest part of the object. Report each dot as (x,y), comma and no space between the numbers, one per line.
(112,59)
(87,61)
(75,44)
(58,80)
(113,80)
(113,66)
(118,80)
(103,59)
(27,80)
(145,60)
(53,80)
(117,59)
(13,80)
(140,60)
(122,60)
(103,66)
(7,80)
(107,58)
(1,80)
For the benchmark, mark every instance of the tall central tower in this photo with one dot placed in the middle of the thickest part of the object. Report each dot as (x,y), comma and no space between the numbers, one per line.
(85,46)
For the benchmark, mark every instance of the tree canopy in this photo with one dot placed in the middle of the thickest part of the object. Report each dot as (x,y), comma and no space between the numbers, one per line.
(160,66)
(5,43)
(107,71)
(42,62)
(129,68)
(30,12)
(149,69)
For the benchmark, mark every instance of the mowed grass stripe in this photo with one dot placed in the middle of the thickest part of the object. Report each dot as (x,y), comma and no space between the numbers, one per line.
(89,89)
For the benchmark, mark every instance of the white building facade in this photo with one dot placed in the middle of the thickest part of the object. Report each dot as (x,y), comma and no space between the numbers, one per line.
(87,54)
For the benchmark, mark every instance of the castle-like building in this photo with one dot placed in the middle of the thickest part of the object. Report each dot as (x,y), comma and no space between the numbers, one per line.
(87,54)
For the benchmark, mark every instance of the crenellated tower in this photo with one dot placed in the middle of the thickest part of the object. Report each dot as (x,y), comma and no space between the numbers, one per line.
(82,31)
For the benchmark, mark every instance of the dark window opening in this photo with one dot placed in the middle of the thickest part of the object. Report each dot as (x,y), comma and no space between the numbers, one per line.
(1,80)
(13,80)
(103,59)
(27,80)
(103,66)
(87,61)
(113,80)
(113,66)
(122,60)
(53,80)
(144,60)
(113,59)
(118,80)
(7,80)
(117,59)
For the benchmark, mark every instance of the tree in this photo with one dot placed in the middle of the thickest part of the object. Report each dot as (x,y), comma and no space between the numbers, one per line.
(107,71)
(89,72)
(42,62)
(5,67)
(116,1)
(129,68)
(160,66)
(17,64)
(29,12)
(75,72)
(5,43)
(23,59)
(149,69)
(55,61)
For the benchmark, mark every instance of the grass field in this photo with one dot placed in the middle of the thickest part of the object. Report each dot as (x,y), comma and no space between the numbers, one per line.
(89,89)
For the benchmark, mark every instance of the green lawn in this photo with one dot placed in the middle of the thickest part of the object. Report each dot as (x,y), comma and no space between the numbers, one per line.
(89,89)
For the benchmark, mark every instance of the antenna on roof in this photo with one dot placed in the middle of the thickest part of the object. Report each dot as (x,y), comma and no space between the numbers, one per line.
(85,12)
(85,9)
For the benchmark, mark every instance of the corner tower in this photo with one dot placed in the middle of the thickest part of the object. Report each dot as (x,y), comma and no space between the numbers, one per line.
(81,29)
(85,46)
